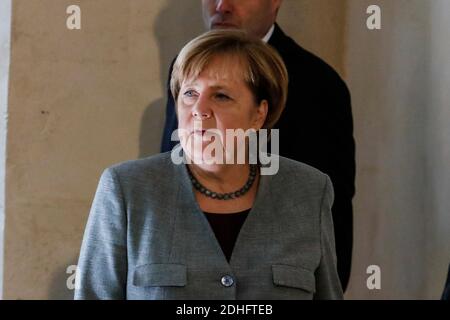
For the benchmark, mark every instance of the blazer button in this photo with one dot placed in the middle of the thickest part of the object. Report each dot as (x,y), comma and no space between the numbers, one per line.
(227,281)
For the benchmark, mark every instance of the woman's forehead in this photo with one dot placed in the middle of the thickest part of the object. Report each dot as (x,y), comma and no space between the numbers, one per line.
(223,68)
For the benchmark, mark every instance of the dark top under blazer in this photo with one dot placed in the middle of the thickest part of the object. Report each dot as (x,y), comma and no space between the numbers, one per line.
(226,228)
(316,128)
(147,238)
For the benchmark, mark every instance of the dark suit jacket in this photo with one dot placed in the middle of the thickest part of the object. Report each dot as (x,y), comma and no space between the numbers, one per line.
(446,293)
(316,128)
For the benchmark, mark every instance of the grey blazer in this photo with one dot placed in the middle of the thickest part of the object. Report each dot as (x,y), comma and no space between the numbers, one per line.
(147,238)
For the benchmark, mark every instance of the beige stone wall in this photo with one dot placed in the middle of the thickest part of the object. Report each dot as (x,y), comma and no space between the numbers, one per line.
(5,43)
(399,78)
(81,100)
(318,26)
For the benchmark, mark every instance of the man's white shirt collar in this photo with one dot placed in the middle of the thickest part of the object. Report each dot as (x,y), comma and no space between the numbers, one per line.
(268,34)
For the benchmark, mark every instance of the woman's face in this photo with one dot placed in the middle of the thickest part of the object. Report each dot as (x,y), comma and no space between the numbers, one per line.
(217,99)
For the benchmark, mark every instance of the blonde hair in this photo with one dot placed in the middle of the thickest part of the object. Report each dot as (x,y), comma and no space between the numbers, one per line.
(264,70)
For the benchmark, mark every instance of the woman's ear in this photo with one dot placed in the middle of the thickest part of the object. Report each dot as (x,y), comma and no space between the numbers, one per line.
(261,114)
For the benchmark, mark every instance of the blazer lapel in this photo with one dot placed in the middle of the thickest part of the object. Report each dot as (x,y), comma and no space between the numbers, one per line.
(255,227)
(192,230)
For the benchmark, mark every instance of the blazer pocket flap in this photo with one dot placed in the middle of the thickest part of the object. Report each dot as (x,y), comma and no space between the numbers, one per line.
(295,277)
(160,274)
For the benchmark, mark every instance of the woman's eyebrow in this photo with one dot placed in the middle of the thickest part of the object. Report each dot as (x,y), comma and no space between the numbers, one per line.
(214,86)
(219,87)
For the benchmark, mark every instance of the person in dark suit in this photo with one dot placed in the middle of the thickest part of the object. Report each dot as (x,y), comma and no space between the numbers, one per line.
(316,126)
(446,293)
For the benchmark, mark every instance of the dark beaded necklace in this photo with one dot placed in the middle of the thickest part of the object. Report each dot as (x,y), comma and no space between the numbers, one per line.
(226,196)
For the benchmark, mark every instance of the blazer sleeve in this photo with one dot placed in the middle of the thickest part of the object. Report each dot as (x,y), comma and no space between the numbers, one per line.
(102,264)
(328,285)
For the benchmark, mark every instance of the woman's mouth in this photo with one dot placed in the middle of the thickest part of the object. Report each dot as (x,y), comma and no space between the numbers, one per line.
(199,132)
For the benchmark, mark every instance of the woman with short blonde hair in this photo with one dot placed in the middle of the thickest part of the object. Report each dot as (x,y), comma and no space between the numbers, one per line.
(197,230)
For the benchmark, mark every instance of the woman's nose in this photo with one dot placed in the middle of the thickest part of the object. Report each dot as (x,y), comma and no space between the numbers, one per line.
(201,110)
(201,115)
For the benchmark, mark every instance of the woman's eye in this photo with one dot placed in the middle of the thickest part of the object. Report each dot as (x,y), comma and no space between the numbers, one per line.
(222,96)
(189,94)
